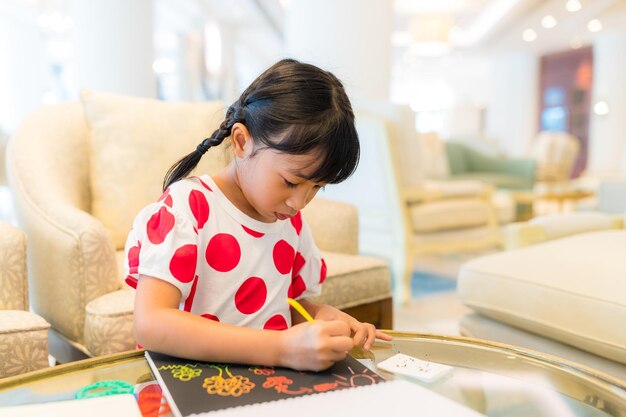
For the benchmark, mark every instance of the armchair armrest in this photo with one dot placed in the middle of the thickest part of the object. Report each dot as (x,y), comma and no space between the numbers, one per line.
(71,256)
(541,229)
(334,224)
(13,275)
(440,190)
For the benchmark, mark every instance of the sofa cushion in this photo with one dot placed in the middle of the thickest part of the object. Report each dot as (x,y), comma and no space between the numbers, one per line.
(23,342)
(354,280)
(448,214)
(498,180)
(134,141)
(109,323)
(571,289)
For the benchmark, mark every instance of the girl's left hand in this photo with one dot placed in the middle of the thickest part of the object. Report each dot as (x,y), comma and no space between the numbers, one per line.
(363,334)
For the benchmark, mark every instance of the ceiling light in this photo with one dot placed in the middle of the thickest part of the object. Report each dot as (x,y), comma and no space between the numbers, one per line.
(548,21)
(576,43)
(601,108)
(573,6)
(594,25)
(529,35)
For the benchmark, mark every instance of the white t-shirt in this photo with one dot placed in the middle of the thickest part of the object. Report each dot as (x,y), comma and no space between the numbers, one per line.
(228,266)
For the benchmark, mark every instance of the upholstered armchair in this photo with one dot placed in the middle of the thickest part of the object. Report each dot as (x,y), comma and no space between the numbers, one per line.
(23,335)
(407,205)
(81,171)
(555,154)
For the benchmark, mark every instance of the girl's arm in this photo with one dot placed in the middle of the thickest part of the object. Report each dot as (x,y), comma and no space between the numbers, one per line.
(363,334)
(162,327)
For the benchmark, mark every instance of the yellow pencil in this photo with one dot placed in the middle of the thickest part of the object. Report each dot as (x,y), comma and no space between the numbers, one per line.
(298,307)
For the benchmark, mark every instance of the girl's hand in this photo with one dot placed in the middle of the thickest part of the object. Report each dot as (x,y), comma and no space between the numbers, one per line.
(363,334)
(315,346)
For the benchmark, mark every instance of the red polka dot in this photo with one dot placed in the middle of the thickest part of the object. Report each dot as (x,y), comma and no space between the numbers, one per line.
(283,256)
(251,296)
(131,281)
(159,225)
(133,258)
(199,207)
(296,222)
(211,317)
(223,252)
(252,232)
(183,263)
(192,295)
(323,271)
(298,263)
(168,201)
(297,287)
(204,185)
(164,195)
(276,322)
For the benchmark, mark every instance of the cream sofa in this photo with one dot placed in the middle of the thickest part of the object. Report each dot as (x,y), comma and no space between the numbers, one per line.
(561,291)
(23,335)
(80,173)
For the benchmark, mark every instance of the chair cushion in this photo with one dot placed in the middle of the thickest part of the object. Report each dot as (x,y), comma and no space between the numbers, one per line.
(354,280)
(448,214)
(570,289)
(134,141)
(109,323)
(23,342)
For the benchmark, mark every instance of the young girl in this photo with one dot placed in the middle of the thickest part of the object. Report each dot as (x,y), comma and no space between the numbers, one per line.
(215,259)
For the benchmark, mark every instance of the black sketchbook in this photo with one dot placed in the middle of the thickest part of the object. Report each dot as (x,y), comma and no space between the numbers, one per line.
(193,387)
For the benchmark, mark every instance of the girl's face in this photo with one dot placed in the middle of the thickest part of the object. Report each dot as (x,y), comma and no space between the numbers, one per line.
(275,184)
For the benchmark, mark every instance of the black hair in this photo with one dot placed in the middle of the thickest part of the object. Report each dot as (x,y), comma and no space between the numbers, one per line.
(292,107)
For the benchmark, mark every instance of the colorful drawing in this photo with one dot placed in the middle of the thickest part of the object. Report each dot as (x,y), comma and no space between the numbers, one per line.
(234,385)
(259,370)
(183,372)
(281,384)
(231,385)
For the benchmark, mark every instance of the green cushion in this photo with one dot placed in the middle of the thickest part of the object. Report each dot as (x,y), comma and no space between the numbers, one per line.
(505,181)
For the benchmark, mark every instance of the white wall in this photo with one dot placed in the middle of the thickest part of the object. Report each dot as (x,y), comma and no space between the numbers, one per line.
(113,46)
(351,38)
(607,136)
(511,116)
(23,64)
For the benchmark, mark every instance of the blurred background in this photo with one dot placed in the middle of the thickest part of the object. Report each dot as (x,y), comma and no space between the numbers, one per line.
(499,69)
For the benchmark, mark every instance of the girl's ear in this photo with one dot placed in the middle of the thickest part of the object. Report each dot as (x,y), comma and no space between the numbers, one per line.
(241,140)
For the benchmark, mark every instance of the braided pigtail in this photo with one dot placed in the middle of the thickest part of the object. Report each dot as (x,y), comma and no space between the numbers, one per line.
(186,164)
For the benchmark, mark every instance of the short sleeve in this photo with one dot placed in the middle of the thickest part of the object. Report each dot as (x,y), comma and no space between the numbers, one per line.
(162,244)
(309,269)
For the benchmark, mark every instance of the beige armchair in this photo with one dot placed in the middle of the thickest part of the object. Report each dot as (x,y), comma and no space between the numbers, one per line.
(435,215)
(23,335)
(555,154)
(80,174)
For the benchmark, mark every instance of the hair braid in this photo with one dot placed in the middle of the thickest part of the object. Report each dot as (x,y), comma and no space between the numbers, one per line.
(186,164)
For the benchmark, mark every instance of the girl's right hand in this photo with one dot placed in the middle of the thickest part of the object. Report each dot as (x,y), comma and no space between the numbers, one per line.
(315,346)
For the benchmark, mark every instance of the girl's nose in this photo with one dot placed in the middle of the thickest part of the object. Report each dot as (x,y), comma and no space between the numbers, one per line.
(297,201)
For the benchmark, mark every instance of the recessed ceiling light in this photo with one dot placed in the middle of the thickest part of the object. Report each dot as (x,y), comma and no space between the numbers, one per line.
(594,25)
(576,43)
(529,35)
(548,21)
(573,5)
(601,108)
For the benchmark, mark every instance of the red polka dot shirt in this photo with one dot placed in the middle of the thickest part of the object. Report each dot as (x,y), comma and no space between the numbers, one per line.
(228,266)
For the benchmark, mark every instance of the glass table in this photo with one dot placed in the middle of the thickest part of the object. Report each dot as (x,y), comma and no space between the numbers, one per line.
(491,378)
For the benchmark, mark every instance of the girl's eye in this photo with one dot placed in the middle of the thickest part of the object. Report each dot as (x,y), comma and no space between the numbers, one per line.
(290,184)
